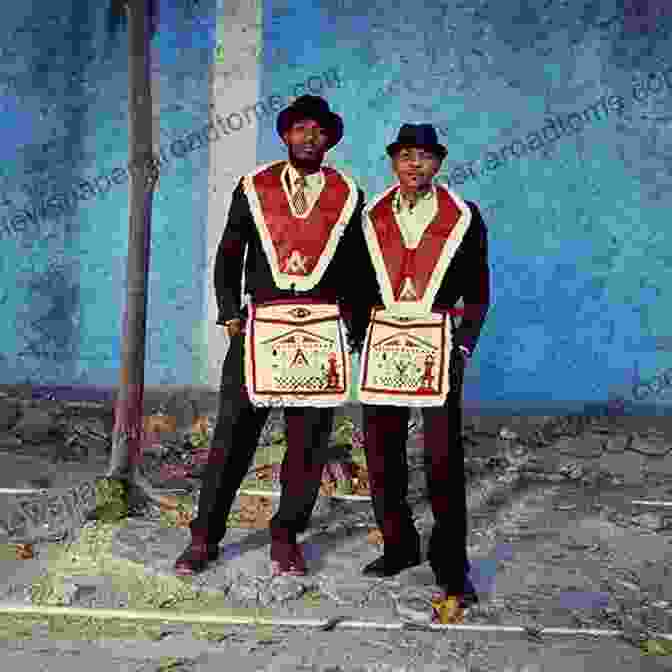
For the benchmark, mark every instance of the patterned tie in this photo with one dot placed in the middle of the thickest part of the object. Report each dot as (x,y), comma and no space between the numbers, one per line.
(299,196)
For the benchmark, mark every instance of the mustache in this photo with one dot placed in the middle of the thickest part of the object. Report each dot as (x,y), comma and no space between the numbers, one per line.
(307,161)
(300,149)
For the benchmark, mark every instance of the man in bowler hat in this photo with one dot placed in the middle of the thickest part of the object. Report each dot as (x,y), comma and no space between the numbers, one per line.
(300,223)
(429,249)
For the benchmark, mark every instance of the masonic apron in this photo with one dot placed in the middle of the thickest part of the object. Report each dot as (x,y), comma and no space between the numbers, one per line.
(406,355)
(295,349)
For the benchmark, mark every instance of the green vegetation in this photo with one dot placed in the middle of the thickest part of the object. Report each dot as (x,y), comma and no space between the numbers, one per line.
(90,556)
(657,647)
(111,500)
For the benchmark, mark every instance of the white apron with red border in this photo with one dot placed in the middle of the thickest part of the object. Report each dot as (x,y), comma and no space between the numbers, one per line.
(407,351)
(295,350)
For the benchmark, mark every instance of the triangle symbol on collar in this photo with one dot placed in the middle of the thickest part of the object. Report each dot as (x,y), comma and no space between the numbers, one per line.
(408,292)
(296,264)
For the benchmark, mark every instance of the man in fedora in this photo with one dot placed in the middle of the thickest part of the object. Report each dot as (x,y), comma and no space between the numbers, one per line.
(429,249)
(300,224)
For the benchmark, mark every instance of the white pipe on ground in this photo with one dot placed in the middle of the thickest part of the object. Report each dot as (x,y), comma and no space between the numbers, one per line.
(22,491)
(238,619)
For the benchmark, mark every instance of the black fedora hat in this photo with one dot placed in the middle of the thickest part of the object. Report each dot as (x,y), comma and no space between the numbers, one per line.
(316,108)
(418,135)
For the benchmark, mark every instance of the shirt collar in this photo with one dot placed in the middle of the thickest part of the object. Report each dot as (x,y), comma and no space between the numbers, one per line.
(313,180)
(401,204)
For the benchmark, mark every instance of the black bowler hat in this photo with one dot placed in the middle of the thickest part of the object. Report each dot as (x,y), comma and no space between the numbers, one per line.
(315,108)
(418,135)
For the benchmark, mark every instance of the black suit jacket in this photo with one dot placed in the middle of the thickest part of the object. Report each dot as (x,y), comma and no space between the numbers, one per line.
(338,284)
(467,277)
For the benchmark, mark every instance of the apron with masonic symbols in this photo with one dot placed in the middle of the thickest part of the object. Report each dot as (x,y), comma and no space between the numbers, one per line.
(408,346)
(295,350)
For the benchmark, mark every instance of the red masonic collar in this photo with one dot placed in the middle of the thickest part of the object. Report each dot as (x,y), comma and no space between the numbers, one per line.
(299,249)
(410,278)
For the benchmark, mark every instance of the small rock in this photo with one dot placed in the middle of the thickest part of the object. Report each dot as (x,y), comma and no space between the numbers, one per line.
(155,449)
(24,551)
(37,425)
(617,444)
(487,425)
(284,662)
(603,429)
(507,434)
(565,507)
(40,482)
(573,471)
(284,589)
(275,424)
(566,426)
(245,588)
(587,447)
(554,478)
(540,439)
(654,432)
(650,521)
(74,591)
(660,616)
(183,409)
(651,447)
(634,628)
(413,607)
(89,435)
(655,522)
(534,464)
(22,391)
(10,442)
(73,447)
(619,519)
(10,412)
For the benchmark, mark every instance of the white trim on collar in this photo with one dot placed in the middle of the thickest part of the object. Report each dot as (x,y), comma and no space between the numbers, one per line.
(412,217)
(423,307)
(315,189)
(281,279)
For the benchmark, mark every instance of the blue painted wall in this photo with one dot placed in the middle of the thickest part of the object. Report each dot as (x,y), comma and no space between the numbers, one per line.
(64,222)
(557,121)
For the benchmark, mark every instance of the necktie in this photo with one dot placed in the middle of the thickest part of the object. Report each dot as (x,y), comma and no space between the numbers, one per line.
(299,196)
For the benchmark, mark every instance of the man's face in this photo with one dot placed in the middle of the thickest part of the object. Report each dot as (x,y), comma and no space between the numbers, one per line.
(415,167)
(307,142)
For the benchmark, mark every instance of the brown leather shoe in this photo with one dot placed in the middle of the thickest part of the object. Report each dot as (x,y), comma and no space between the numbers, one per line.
(299,561)
(196,558)
(287,559)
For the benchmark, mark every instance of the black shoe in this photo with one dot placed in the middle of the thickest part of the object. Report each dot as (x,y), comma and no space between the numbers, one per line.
(196,558)
(469,596)
(390,565)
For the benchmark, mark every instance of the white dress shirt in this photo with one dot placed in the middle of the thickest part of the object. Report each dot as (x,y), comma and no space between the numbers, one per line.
(414,222)
(314,185)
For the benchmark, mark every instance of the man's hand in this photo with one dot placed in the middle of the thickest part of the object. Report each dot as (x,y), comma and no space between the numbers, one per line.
(465,352)
(233,327)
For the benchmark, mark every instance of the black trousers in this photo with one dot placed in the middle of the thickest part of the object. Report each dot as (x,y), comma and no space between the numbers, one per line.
(386,434)
(236,435)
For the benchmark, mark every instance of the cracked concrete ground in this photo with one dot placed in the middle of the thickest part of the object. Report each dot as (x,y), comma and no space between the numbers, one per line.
(554,541)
